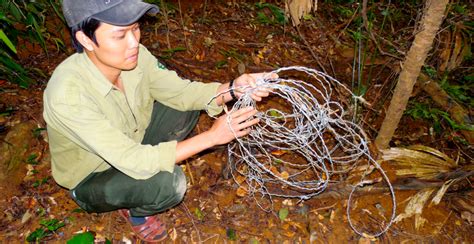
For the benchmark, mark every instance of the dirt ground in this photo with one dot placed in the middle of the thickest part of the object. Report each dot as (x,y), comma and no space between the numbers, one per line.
(218,42)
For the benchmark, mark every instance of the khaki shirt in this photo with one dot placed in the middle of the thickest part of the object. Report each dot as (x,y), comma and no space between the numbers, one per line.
(93,126)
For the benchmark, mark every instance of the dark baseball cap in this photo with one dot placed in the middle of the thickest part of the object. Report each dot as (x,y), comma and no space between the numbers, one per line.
(114,12)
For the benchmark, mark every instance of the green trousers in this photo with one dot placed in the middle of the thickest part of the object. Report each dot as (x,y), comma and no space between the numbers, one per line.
(111,189)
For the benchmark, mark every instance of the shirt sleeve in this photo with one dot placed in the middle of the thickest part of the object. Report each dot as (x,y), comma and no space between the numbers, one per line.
(79,120)
(181,94)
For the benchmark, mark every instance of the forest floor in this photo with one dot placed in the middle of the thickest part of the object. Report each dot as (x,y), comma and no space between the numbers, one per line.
(218,42)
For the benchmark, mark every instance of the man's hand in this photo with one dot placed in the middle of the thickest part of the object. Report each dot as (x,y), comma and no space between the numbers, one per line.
(243,82)
(247,80)
(222,132)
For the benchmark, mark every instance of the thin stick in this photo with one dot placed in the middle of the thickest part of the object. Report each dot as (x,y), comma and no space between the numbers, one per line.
(188,166)
(165,14)
(310,49)
(184,27)
(188,213)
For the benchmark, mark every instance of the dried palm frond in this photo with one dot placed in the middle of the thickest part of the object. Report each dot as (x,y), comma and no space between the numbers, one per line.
(464,204)
(455,46)
(420,161)
(415,207)
(297,9)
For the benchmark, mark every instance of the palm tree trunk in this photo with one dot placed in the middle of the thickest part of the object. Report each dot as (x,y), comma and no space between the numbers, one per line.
(432,19)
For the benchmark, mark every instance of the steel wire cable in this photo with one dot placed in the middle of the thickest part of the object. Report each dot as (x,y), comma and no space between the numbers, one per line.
(298,146)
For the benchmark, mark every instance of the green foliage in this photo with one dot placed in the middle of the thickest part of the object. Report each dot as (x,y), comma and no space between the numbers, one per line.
(82,238)
(275,114)
(7,41)
(360,90)
(233,53)
(460,9)
(47,228)
(435,116)
(275,17)
(283,213)
(430,71)
(231,234)
(41,182)
(167,6)
(24,20)
(37,132)
(12,71)
(78,210)
(340,1)
(461,92)
(357,36)
(199,214)
(32,159)
(308,17)
(170,52)
(253,240)
(7,112)
(156,2)
(343,11)
(221,64)
(41,212)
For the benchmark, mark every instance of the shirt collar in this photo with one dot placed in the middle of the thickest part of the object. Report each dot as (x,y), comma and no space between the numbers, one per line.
(102,84)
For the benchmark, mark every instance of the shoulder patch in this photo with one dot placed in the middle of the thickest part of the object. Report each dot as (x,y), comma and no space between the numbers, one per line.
(160,65)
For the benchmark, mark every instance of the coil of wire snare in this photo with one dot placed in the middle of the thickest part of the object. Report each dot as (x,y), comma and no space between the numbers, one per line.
(311,126)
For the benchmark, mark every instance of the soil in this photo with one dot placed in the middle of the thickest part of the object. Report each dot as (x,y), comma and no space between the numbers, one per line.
(220,41)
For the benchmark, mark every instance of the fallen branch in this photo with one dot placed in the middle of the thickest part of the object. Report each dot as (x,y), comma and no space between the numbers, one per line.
(457,112)
(342,190)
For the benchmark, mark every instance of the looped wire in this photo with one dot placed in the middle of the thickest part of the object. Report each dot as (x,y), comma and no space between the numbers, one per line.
(301,141)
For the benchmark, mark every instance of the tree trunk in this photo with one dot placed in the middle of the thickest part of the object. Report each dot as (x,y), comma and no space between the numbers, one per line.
(432,19)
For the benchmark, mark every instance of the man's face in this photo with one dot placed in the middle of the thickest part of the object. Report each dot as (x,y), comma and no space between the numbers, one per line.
(118,47)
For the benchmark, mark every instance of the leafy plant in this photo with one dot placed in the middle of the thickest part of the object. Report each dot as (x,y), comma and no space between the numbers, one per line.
(231,234)
(233,53)
(43,181)
(343,11)
(83,238)
(170,52)
(340,1)
(24,20)
(460,9)
(170,7)
(430,71)
(47,228)
(283,213)
(37,132)
(424,111)
(253,240)
(32,159)
(41,212)
(220,64)
(12,71)
(7,41)
(460,92)
(78,210)
(275,17)
(7,112)
(199,214)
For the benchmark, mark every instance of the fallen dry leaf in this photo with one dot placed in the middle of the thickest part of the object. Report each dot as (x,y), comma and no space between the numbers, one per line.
(241,191)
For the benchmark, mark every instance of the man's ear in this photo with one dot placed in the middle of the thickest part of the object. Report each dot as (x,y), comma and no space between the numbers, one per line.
(84,40)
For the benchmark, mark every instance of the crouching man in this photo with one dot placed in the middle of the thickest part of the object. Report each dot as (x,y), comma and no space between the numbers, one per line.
(118,120)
